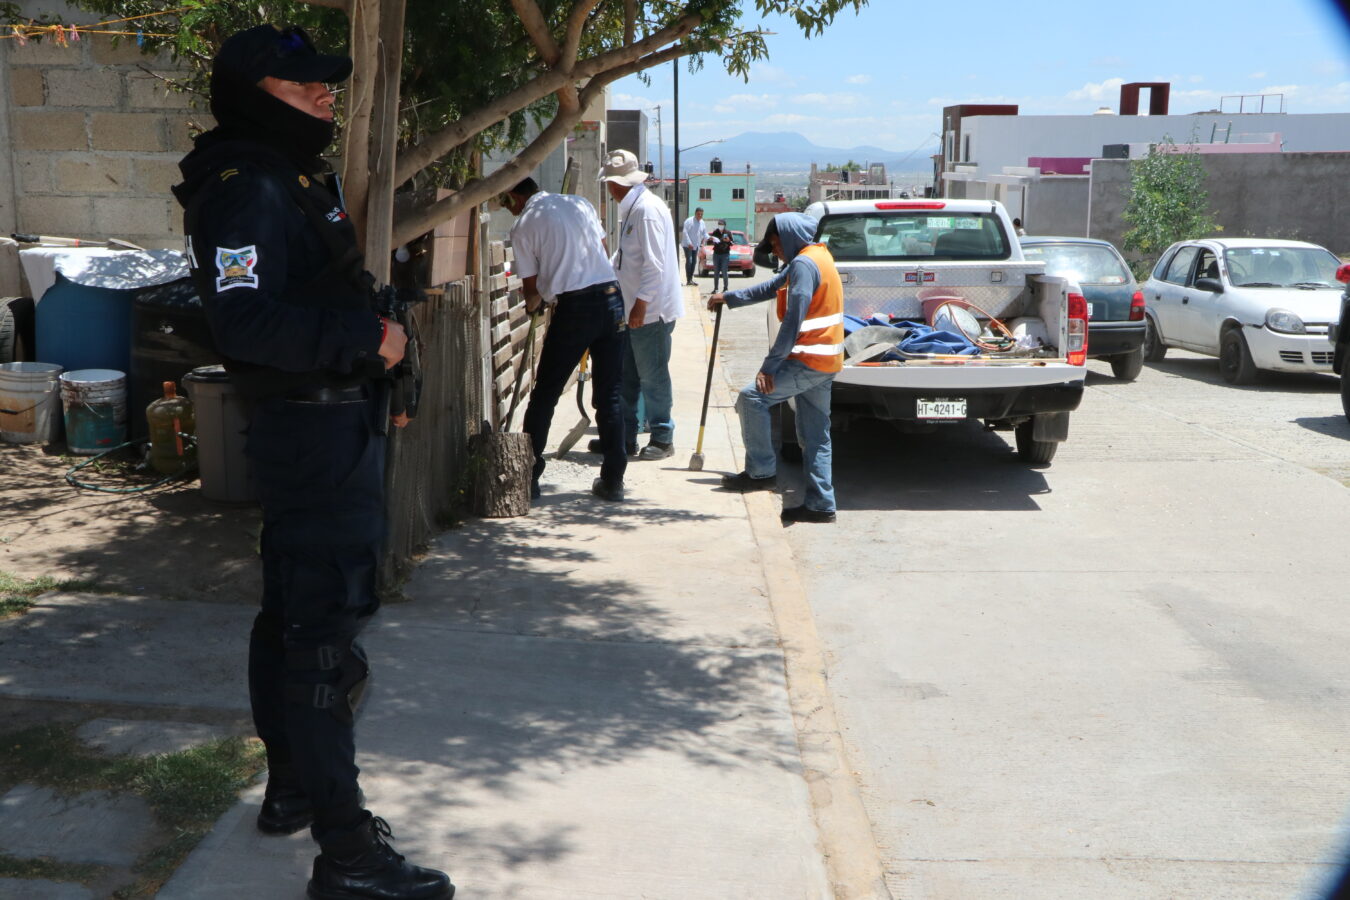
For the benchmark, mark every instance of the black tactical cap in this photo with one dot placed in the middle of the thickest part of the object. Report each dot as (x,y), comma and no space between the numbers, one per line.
(286,53)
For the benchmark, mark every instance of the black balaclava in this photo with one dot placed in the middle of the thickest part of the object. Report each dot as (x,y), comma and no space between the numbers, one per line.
(246,111)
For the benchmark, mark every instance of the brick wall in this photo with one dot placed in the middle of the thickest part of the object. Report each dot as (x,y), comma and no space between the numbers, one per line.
(94,139)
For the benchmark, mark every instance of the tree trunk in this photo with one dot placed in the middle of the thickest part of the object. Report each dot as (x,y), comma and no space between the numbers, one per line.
(357,138)
(380,205)
(503,464)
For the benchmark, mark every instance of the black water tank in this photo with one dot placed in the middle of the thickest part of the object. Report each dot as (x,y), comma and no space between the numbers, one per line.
(169,338)
(715,166)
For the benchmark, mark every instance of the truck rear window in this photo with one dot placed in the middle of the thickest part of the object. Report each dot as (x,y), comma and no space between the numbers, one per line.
(914,235)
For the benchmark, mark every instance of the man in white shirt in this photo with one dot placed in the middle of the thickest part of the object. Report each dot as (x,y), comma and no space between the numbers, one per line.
(693,235)
(649,279)
(560,257)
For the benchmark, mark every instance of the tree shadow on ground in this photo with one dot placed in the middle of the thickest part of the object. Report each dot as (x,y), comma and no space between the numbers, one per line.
(526,650)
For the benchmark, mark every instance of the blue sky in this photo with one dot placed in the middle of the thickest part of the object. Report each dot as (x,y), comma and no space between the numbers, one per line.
(882,76)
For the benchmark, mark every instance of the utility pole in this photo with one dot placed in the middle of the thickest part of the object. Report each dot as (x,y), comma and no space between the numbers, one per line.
(678,221)
(660,147)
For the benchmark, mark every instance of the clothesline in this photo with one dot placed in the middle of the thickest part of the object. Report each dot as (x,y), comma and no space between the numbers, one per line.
(65,35)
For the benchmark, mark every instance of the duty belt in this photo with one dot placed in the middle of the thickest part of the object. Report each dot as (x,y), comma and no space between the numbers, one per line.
(332,395)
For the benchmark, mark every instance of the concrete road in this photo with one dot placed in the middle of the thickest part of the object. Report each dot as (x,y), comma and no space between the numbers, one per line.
(1120,676)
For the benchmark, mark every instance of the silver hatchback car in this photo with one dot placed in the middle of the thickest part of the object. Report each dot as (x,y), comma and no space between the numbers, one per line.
(1257,304)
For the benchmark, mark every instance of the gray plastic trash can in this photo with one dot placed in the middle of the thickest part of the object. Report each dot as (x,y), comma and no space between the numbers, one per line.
(220,435)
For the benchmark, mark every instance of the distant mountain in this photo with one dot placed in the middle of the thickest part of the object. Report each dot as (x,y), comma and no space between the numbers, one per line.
(786,151)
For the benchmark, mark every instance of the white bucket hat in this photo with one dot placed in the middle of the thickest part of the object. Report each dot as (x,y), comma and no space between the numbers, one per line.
(622,166)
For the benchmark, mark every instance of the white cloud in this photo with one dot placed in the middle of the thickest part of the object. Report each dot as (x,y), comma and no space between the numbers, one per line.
(835,100)
(859,79)
(1196,79)
(1257,75)
(758,100)
(1329,67)
(1105,90)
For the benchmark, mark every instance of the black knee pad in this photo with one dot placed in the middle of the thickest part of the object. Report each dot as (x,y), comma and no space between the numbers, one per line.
(334,676)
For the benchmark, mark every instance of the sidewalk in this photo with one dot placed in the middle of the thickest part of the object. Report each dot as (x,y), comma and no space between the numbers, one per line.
(588,701)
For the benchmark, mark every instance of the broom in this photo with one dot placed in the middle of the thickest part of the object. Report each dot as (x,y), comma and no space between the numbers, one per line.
(696,461)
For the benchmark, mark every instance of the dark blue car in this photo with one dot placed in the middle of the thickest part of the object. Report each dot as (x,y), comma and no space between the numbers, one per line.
(1115,303)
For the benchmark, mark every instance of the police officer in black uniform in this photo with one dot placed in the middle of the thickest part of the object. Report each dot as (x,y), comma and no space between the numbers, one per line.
(289,305)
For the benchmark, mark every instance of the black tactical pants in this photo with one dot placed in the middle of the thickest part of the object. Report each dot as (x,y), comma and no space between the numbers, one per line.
(319,474)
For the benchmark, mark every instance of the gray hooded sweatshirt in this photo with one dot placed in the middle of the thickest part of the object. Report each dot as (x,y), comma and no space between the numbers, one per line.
(795,231)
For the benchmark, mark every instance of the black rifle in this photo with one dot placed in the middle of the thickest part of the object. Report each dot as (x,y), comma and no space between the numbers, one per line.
(405,391)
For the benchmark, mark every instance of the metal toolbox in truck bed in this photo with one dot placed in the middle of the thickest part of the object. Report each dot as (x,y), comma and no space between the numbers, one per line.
(898,290)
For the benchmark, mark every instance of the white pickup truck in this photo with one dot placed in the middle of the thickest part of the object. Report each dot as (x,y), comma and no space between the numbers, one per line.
(905,261)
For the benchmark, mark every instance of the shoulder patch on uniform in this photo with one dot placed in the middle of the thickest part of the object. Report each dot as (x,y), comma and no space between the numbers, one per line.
(304,181)
(236,267)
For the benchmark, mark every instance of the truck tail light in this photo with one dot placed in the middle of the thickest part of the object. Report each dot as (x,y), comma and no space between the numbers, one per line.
(910,204)
(1078,330)
(1343,274)
(1137,307)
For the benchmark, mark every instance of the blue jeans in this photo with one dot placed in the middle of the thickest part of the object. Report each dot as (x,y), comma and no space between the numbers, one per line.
(812,390)
(690,257)
(590,318)
(721,262)
(646,377)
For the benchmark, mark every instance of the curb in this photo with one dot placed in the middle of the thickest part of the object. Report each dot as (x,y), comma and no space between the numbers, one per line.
(843,827)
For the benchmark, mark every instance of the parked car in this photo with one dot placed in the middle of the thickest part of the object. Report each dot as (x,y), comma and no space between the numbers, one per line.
(1257,304)
(1340,340)
(742,257)
(1115,303)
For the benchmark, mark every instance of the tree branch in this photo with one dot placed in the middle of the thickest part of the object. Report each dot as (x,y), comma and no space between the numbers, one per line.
(630,21)
(537,30)
(417,157)
(420,221)
(576,22)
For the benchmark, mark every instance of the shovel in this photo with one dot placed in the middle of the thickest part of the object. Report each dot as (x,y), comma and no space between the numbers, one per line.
(570,440)
(696,461)
(525,360)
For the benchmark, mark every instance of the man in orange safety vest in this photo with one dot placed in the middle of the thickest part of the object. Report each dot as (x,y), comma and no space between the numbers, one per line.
(806,355)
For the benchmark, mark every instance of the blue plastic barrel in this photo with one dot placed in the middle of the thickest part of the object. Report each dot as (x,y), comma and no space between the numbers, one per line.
(82,327)
(95,402)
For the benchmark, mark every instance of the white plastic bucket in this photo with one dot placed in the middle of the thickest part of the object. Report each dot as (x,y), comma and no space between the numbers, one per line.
(95,401)
(30,404)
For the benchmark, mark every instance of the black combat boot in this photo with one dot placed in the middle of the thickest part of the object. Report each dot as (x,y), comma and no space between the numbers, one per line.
(360,865)
(285,807)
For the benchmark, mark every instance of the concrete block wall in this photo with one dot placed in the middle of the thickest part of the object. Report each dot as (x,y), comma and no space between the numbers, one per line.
(1299,196)
(94,136)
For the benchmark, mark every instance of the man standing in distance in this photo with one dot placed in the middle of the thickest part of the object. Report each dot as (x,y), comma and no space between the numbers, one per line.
(288,301)
(649,278)
(693,235)
(802,363)
(559,248)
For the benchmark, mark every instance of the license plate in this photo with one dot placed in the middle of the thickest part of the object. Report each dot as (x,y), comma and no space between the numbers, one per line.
(942,409)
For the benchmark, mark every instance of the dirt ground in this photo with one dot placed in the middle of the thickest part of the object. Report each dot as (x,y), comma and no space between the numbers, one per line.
(167,543)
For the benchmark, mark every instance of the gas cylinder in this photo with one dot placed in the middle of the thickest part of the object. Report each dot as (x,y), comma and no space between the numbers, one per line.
(170,419)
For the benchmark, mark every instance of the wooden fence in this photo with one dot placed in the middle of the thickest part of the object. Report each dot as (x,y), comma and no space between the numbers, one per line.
(474,334)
